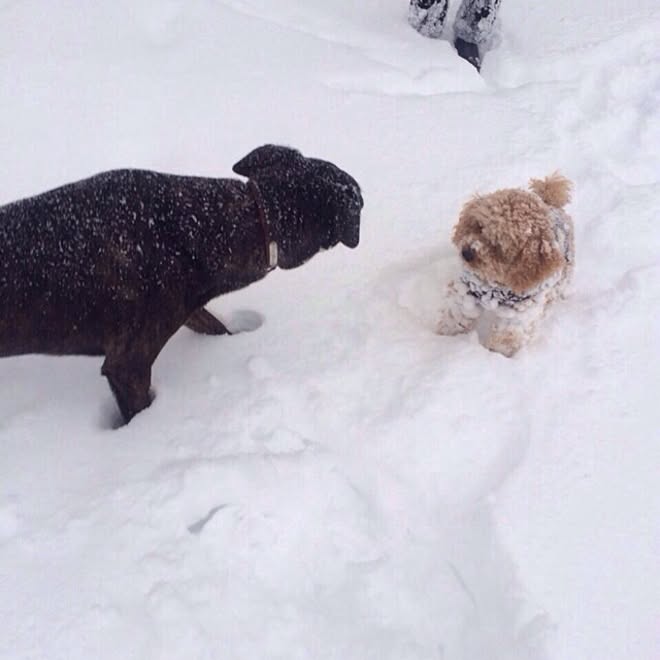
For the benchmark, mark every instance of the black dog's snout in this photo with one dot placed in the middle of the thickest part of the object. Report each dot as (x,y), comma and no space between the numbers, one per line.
(468,254)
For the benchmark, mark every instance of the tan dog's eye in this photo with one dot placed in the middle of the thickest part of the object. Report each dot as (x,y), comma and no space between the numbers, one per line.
(468,253)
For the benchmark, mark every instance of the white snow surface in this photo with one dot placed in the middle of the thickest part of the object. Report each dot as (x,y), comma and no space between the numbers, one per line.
(342,482)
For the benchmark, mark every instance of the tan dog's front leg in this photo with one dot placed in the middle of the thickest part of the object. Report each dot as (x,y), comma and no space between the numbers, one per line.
(460,312)
(505,337)
(510,332)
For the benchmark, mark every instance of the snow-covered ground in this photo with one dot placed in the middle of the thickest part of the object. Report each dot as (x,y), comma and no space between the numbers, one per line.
(342,482)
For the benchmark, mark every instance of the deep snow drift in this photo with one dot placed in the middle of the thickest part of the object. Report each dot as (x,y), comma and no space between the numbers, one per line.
(342,482)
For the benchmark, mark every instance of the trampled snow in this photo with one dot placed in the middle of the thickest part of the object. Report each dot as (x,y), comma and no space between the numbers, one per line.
(341,482)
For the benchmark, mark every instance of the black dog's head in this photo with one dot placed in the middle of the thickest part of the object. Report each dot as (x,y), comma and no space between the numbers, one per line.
(311,204)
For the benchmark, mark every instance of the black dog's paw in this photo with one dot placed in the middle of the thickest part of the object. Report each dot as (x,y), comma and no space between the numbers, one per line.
(245,320)
(110,417)
(203,322)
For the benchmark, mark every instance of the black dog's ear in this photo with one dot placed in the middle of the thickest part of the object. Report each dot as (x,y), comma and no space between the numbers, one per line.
(351,203)
(344,201)
(267,156)
(343,198)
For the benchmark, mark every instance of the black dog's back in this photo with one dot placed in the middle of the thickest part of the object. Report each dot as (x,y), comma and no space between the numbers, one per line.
(80,261)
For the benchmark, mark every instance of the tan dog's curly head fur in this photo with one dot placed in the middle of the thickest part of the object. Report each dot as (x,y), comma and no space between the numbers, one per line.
(508,236)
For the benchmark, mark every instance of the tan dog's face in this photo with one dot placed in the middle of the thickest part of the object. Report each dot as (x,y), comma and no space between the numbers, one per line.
(508,238)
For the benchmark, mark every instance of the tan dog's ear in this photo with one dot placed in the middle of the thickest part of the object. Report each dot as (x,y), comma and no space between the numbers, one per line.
(554,190)
(469,223)
(539,258)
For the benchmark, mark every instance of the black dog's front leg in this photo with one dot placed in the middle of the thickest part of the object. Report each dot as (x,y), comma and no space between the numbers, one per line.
(129,381)
(205,323)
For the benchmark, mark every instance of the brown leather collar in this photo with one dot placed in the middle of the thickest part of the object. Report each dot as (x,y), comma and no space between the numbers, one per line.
(270,245)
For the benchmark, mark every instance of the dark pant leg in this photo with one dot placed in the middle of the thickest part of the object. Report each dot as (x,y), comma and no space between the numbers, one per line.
(428,16)
(475,21)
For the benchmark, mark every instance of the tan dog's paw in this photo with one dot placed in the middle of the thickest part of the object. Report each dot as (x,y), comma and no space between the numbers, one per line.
(506,342)
(449,326)
(460,313)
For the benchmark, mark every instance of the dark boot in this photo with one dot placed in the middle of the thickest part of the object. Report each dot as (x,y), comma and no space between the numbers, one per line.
(469,52)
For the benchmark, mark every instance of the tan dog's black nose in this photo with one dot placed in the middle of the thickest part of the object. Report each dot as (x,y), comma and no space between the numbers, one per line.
(468,254)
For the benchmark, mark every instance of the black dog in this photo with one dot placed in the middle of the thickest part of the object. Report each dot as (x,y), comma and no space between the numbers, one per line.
(115,264)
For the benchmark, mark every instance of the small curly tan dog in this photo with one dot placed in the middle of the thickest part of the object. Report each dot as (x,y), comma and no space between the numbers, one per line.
(517,251)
